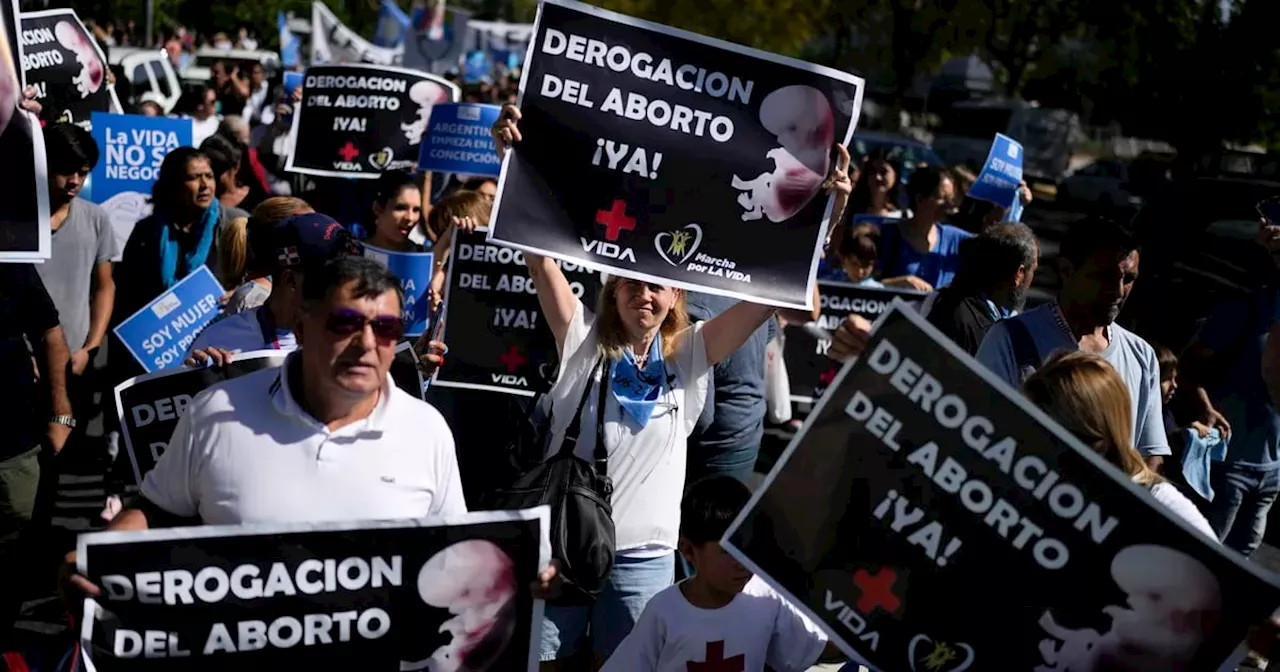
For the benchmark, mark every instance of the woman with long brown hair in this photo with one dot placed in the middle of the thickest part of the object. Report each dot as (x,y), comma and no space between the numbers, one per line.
(1087,397)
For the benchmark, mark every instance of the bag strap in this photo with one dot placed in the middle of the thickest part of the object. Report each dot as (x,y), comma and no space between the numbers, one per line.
(1026,356)
(601,453)
(575,425)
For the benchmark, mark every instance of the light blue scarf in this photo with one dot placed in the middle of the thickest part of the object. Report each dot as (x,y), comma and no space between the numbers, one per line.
(171,249)
(636,390)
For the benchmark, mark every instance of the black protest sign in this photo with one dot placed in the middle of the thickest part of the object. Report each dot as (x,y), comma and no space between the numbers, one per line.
(933,519)
(25,235)
(809,370)
(62,60)
(150,405)
(493,326)
(359,120)
(431,594)
(671,157)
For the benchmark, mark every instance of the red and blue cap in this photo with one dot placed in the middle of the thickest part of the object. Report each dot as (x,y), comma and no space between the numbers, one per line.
(308,240)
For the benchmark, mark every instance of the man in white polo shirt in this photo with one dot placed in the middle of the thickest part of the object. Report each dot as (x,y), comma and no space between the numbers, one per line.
(327,436)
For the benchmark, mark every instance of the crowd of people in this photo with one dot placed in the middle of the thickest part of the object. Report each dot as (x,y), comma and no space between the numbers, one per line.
(668,383)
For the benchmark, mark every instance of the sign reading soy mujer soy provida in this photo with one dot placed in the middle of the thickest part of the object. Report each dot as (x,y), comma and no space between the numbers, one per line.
(360,120)
(658,154)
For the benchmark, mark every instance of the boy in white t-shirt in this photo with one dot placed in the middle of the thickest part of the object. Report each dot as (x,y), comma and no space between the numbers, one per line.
(722,615)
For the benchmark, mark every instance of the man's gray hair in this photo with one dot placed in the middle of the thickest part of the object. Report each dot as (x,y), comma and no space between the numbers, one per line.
(995,255)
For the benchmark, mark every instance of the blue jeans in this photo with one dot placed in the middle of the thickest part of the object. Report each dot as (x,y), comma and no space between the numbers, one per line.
(634,580)
(1242,498)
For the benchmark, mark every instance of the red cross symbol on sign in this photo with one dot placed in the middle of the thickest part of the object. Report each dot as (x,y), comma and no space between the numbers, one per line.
(716,662)
(289,256)
(877,591)
(615,220)
(348,152)
(512,359)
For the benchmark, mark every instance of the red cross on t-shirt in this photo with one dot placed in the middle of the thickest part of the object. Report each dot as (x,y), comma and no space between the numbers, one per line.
(716,662)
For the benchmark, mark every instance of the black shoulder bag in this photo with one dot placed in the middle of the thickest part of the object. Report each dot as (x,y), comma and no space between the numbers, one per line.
(579,494)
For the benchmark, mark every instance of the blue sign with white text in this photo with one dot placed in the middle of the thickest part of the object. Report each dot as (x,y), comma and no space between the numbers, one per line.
(458,140)
(1000,176)
(133,147)
(414,270)
(159,334)
(292,80)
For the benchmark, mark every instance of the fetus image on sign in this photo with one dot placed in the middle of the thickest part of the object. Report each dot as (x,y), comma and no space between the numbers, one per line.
(426,95)
(91,74)
(802,120)
(1174,603)
(476,581)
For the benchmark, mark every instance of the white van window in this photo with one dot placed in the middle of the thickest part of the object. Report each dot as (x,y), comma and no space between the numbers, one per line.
(162,82)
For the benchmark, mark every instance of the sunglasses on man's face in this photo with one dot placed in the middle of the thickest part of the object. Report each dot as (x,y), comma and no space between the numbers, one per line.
(386,328)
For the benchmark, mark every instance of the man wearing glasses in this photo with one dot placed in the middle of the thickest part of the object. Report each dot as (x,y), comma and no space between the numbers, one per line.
(328,436)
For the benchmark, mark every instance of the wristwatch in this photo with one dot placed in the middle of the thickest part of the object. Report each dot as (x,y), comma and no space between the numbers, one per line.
(63,420)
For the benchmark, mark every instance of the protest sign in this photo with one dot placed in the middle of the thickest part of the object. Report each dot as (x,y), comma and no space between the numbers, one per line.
(292,80)
(64,63)
(414,270)
(446,593)
(361,120)
(923,491)
(998,181)
(333,42)
(662,155)
(809,370)
(133,147)
(458,140)
(497,338)
(25,235)
(150,405)
(161,332)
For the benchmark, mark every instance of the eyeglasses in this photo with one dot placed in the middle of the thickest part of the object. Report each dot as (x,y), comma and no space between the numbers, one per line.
(346,322)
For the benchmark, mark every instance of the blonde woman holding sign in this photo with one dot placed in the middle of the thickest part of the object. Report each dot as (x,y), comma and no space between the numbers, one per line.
(655,368)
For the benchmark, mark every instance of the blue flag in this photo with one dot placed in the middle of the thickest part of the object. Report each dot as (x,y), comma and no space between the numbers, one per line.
(290,45)
(393,25)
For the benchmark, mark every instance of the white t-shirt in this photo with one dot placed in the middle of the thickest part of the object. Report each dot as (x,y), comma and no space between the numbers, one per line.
(1169,495)
(759,626)
(647,465)
(243,332)
(202,130)
(245,452)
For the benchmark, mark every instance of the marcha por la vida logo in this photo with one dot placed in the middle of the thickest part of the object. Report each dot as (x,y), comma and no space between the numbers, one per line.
(677,248)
